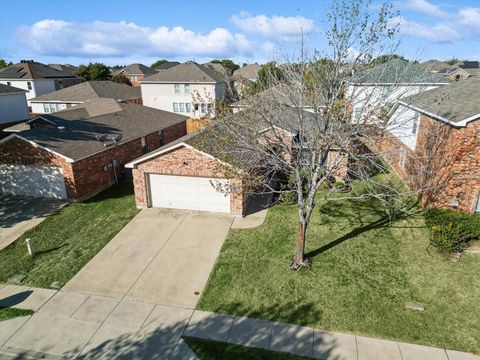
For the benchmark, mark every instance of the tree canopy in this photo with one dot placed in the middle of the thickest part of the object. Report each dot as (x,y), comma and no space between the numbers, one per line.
(3,63)
(158,63)
(229,64)
(94,71)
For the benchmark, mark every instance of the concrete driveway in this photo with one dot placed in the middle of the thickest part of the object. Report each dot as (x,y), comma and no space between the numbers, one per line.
(161,257)
(20,213)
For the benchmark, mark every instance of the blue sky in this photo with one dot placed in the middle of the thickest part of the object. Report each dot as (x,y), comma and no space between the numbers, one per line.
(122,32)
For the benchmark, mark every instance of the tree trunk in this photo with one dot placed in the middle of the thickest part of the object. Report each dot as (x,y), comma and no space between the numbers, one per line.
(299,259)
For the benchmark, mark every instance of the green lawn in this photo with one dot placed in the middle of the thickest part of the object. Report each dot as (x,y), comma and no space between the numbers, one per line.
(212,350)
(364,270)
(66,241)
(10,313)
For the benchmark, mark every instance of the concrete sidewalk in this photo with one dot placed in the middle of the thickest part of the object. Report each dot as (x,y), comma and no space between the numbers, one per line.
(81,326)
(305,341)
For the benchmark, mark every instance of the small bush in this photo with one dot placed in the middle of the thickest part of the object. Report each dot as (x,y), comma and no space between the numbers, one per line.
(448,238)
(288,198)
(469,223)
(450,231)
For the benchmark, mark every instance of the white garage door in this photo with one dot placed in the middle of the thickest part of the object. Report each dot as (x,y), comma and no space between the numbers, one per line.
(186,192)
(39,181)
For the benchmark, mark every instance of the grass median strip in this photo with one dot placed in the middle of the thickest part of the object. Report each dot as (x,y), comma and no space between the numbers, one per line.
(64,242)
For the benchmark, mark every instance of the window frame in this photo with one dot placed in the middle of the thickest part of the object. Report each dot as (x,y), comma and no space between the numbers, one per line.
(182,107)
(175,107)
(188,108)
(185,87)
(29,85)
(176,89)
(477,205)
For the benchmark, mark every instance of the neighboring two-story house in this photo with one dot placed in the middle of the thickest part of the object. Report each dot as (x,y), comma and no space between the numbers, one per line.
(36,78)
(434,142)
(190,89)
(13,105)
(136,73)
(386,83)
(80,93)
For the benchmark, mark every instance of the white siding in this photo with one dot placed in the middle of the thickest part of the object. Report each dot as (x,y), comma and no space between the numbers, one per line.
(402,124)
(38,108)
(13,107)
(39,87)
(369,98)
(162,96)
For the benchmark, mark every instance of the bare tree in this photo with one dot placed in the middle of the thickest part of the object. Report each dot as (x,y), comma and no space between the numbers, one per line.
(300,130)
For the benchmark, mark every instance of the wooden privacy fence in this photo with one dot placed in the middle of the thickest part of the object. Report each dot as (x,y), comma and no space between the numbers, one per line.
(196,124)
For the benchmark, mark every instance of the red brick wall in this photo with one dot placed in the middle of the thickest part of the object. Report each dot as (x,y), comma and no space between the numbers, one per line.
(17,151)
(445,165)
(174,132)
(185,162)
(86,177)
(135,83)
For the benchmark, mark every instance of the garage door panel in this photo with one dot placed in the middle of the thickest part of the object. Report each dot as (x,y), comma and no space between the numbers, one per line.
(28,180)
(189,193)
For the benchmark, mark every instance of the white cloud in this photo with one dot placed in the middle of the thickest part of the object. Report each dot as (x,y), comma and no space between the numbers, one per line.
(439,33)
(424,7)
(470,19)
(272,27)
(115,39)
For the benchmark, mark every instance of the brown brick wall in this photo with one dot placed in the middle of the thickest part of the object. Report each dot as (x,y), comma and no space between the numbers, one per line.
(67,82)
(174,132)
(17,151)
(184,162)
(445,165)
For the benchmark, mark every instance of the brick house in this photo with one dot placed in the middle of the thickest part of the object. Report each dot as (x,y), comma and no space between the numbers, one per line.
(433,144)
(198,173)
(135,73)
(75,153)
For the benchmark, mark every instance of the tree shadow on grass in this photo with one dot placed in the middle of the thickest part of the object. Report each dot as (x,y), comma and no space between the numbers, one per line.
(362,216)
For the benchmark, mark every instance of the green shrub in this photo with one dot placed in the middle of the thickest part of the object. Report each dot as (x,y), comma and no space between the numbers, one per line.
(448,238)
(288,198)
(468,223)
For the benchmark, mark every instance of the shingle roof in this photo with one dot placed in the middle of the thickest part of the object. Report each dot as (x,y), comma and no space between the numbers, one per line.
(187,72)
(166,65)
(137,69)
(248,72)
(282,95)
(398,71)
(91,90)
(85,122)
(455,102)
(7,89)
(30,70)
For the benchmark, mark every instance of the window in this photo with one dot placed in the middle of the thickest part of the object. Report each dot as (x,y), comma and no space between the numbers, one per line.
(60,84)
(188,107)
(386,92)
(175,107)
(162,137)
(187,88)
(358,113)
(477,208)
(144,145)
(182,107)
(50,108)
(177,88)
(416,120)
(204,108)
(29,85)
(209,108)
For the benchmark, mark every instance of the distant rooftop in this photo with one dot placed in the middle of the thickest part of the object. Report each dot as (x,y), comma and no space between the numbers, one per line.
(137,69)
(398,71)
(7,89)
(91,90)
(187,72)
(249,72)
(31,70)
